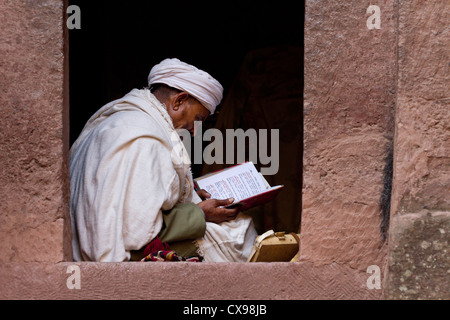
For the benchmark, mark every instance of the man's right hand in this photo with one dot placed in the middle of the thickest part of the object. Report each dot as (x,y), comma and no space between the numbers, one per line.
(214,212)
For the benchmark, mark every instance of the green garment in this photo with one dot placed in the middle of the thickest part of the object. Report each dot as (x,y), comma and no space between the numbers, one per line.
(183,224)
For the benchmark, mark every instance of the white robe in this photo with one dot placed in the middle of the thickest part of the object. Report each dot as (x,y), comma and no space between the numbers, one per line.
(128,165)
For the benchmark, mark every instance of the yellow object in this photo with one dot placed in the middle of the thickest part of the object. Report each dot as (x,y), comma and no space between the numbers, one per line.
(275,247)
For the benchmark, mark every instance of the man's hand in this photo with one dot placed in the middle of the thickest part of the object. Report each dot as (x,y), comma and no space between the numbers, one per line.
(203,194)
(215,213)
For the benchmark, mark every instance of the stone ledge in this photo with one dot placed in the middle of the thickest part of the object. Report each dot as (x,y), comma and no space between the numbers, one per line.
(175,280)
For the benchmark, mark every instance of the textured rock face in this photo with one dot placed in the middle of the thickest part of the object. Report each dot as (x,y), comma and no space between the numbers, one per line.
(32,175)
(419,262)
(200,281)
(349,100)
(423,113)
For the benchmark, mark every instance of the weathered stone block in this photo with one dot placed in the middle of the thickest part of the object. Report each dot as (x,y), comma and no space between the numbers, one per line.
(349,99)
(33,140)
(422,149)
(419,261)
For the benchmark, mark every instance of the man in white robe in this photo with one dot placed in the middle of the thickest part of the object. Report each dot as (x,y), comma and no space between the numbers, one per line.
(130,176)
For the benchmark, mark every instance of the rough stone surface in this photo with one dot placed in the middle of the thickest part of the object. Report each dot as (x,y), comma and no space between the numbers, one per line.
(216,281)
(419,261)
(419,264)
(422,161)
(349,99)
(33,173)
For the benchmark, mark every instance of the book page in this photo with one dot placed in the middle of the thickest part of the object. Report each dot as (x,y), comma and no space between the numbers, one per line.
(238,182)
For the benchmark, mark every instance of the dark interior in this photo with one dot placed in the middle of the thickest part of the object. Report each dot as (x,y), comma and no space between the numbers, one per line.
(119,42)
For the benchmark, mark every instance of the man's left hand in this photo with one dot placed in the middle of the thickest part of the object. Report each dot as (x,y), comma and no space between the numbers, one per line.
(203,194)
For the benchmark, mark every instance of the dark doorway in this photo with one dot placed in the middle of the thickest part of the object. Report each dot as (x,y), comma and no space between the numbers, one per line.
(119,42)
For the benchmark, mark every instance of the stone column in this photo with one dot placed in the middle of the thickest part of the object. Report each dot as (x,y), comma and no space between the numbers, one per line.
(349,102)
(33,133)
(419,261)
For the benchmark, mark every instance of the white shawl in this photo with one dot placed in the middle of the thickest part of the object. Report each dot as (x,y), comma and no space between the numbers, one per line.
(121,179)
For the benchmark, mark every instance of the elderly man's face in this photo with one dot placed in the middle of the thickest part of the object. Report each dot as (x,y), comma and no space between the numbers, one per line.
(185,110)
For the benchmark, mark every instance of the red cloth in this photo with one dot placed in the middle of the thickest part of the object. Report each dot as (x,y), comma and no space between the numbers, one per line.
(156,245)
(157,250)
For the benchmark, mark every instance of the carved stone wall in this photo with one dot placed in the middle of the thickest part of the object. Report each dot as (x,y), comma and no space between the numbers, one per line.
(355,78)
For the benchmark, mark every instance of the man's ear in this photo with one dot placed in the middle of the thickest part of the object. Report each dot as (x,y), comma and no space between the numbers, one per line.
(180,99)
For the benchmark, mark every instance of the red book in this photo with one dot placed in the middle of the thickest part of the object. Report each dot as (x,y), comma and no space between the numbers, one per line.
(242,182)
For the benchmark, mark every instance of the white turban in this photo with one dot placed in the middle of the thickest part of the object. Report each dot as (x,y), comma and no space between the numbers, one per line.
(182,76)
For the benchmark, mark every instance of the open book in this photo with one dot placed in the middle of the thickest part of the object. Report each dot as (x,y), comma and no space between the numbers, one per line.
(242,182)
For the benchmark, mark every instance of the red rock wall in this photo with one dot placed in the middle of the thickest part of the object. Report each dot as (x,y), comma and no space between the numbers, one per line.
(349,100)
(422,162)
(419,263)
(189,281)
(33,175)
